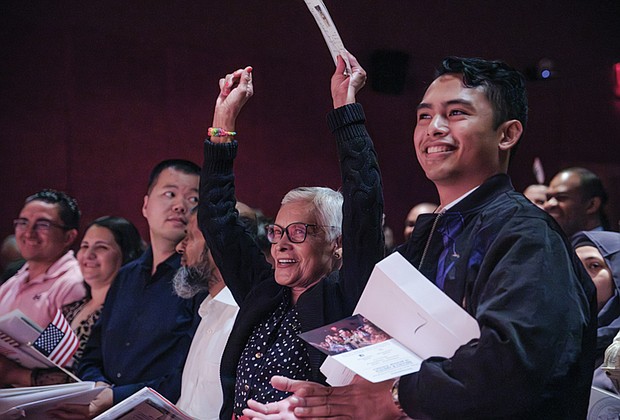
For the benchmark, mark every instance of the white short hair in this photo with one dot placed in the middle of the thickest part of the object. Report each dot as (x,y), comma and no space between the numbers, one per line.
(327,205)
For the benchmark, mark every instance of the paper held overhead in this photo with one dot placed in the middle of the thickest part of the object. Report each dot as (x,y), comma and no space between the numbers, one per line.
(329,31)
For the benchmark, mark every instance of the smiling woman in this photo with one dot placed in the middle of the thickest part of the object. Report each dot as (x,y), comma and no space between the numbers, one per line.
(109,242)
(313,283)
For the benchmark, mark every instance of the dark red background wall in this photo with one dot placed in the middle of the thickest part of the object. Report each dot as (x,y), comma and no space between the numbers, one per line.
(93,94)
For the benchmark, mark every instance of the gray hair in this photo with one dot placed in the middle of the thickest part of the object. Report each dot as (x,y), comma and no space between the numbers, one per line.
(188,281)
(327,205)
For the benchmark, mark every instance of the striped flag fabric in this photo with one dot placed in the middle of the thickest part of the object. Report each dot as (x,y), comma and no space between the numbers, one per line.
(58,342)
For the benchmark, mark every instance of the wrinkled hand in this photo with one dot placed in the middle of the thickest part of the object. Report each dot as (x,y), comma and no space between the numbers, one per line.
(98,405)
(235,90)
(344,87)
(359,400)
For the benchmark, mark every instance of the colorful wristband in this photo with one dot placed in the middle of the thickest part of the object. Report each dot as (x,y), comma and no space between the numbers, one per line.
(219,132)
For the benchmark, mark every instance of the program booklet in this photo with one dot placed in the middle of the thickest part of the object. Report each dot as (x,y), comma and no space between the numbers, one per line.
(33,402)
(17,333)
(146,404)
(401,319)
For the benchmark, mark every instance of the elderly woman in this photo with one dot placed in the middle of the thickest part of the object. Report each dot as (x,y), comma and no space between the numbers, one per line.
(599,252)
(313,283)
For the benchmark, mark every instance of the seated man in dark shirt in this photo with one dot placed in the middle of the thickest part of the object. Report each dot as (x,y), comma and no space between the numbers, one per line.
(145,330)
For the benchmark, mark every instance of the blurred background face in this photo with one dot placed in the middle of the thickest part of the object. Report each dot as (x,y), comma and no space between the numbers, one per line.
(595,264)
(537,194)
(413,214)
(100,257)
(565,202)
(41,245)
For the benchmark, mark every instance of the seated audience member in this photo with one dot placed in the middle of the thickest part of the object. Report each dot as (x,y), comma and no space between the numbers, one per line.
(144,332)
(576,199)
(109,242)
(413,214)
(494,253)
(308,288)
(611,364)
(600,254)
(388,237)
(261,235)
(46,228)
(537,194)
(11,259)
(201,391)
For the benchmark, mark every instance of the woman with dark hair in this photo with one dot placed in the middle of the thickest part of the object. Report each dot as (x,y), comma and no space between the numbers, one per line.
(109,243)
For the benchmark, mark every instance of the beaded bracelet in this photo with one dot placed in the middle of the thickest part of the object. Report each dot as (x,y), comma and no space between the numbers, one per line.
(219,132)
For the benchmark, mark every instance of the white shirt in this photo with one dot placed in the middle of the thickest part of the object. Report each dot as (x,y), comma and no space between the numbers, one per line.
(201,390)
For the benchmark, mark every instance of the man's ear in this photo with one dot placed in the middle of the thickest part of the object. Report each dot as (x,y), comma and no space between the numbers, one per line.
(70,237)
(144,204)
(511,132)
(594,205)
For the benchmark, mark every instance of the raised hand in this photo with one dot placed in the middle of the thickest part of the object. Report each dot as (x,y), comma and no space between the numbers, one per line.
(344,86)
(235,90)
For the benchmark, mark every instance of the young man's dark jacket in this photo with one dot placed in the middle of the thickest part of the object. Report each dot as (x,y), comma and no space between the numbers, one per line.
(512,269)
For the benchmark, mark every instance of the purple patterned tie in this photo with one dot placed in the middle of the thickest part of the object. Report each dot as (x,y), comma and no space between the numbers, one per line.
(452,226)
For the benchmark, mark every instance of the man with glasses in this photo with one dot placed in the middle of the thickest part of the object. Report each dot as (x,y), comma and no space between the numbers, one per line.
(46,228)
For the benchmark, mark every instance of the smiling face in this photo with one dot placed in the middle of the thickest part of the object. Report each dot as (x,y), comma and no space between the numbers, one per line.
(167,206)
(43,246)
(566,204)
(100,257)
(300,266)
(454,138)
(598,270)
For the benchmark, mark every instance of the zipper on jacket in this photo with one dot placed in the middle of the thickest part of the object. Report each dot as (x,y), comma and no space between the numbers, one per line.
(428,241)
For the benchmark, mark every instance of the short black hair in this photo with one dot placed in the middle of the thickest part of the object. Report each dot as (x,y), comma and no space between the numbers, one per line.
(503,86)
(590,186)
(68,207)
(182,165)
(125,234)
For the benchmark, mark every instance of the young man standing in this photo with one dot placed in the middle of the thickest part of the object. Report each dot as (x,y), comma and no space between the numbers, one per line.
(495,254)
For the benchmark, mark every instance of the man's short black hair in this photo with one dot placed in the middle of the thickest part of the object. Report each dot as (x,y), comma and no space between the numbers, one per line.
(590,186)
(182,165)
(68,207)
(503,86)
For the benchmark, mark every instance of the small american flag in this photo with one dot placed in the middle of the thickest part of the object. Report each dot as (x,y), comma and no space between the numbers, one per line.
(58,341)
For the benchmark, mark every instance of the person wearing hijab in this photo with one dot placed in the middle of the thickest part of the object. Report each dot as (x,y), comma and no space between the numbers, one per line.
(599,251)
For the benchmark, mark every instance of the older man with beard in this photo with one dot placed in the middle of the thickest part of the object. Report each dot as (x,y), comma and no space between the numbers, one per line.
(201,392)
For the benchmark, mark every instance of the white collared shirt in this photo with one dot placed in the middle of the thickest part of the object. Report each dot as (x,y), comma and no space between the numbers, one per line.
(201,390)
(458,200)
